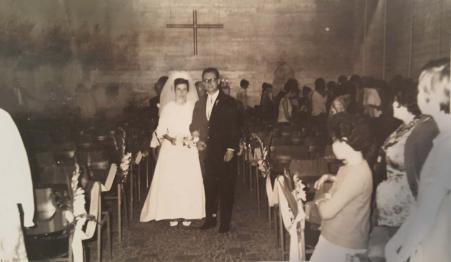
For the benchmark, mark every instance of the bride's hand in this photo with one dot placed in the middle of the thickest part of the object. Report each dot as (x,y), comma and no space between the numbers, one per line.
(173,140)
(195,134)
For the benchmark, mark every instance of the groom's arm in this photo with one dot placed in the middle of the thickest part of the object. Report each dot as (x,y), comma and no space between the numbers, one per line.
(233,125)
(195,125)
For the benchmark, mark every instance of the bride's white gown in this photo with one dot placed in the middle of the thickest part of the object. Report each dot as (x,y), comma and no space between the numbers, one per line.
(177,189)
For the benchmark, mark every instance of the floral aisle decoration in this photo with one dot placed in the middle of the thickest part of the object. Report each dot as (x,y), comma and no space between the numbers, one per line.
(264,166)
(291,203)
(75,213)
(261,154)
(241,147)
(300,195)
(119,141)
(124,166)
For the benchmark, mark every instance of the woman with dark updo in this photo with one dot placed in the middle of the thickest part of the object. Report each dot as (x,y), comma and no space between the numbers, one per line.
(393,195)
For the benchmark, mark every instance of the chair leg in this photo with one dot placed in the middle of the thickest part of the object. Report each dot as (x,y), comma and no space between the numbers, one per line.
(132,174)
(125,205)
(139,182)
(282,236)
(257,182)
(69,253)
(99,242)
(269,217)
(250,176)
(243,168)
(276,225)
(108,232)
(119,211)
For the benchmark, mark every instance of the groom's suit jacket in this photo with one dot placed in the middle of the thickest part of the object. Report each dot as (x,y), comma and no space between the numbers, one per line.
(222,131)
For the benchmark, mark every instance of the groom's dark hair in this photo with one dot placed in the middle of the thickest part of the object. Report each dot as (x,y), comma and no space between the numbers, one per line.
(211,70)
(179,81)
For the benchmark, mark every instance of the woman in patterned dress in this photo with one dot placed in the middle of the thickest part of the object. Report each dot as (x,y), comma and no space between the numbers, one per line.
(393,195)
(426,234)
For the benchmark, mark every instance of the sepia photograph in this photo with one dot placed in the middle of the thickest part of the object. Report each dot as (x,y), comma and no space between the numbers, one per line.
(225,130)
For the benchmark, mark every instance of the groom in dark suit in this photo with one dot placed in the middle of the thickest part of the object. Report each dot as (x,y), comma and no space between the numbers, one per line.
(216,122)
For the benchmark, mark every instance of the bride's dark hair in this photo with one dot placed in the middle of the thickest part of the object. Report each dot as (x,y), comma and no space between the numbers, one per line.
(179,81)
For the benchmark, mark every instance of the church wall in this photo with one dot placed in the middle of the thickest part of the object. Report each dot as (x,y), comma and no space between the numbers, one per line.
(416,32)
(102,55)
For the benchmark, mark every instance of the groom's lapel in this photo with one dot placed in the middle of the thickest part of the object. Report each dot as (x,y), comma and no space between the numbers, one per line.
(216,105)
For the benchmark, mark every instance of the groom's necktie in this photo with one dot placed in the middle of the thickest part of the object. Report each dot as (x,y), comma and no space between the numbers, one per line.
(209,106)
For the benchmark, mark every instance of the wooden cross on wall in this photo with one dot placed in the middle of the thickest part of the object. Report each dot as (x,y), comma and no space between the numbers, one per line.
(195,26)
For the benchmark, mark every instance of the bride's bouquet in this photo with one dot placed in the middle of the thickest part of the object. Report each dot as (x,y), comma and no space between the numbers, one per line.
(190,142)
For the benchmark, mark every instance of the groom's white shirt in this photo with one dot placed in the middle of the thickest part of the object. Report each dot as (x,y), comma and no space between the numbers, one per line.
(210,102)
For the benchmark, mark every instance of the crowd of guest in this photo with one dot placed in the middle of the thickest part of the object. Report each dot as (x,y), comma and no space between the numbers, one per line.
(385,134)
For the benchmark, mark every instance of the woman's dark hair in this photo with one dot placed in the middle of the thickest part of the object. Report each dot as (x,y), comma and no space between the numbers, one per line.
(266,86)
(244,83)
(320,83)
(291,85)
(179,81)
(406,95)
(355,128)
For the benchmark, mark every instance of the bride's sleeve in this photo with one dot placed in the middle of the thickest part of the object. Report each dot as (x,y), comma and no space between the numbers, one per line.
(163,122)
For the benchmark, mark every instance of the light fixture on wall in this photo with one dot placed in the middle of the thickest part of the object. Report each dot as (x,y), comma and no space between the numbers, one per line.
(327,29)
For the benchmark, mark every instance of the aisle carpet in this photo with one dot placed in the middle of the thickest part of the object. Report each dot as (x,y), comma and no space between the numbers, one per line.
(250,238)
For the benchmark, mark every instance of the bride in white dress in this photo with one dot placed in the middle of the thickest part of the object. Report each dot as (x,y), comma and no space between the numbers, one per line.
(177,190)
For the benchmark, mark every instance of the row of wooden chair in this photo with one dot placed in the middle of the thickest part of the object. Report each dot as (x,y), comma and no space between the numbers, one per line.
(267,190)
(105,173)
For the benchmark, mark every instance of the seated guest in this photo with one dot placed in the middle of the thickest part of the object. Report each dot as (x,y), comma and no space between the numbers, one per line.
(340,104)
(285,112)
(305,106)
(242,93)
(426,233)
(331,92)
(305,101)
(266,102)
(345,210)
(225,87)
(200,88)
(393,195)
(319,98)
(155,101)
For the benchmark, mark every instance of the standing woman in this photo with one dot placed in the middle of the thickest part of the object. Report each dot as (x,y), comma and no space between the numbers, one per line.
(177,191)
(393,195)
(426,233)
(345,210)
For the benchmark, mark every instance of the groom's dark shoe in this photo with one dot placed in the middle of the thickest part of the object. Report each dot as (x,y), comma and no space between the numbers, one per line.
(208,224)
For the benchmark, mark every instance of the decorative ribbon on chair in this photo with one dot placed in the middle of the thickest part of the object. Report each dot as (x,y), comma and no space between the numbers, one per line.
(272,192)
(293,217)
(79,234)
(138,157)
(110,178)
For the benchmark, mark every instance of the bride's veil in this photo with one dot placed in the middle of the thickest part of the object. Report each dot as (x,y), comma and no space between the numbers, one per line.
(168,92)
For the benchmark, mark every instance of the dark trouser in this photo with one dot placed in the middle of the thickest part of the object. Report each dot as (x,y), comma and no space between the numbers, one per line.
(219,184)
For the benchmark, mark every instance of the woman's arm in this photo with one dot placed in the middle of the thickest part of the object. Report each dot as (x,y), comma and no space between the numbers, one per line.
(348,191)
(433,189)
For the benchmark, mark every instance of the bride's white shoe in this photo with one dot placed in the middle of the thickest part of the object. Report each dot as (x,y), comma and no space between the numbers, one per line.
(173,223)
(186,223)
